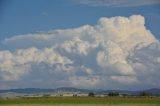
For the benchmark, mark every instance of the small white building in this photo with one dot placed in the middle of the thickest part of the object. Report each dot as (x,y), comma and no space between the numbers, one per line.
(100,95)
(33,95)
(53,95)
(67,94)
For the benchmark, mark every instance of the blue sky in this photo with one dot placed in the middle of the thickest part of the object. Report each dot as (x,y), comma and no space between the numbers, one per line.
(26,16)
(93,44)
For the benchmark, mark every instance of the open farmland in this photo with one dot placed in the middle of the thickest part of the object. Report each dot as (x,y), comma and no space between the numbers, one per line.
(85,101)
(84,105)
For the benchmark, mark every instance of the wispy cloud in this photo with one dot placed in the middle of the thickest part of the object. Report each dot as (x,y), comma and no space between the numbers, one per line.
(118,3)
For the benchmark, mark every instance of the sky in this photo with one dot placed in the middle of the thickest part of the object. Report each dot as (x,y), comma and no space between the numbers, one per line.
(93,44)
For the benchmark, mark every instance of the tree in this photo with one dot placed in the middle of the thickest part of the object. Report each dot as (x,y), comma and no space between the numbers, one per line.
(91,94)
(113,94)
(143,93)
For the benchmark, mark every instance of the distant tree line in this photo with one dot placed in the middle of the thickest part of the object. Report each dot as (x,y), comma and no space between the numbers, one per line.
(113,94)
(143,93)
(91,94)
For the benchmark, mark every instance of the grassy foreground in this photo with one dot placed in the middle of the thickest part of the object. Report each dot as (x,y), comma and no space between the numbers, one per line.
(85,101)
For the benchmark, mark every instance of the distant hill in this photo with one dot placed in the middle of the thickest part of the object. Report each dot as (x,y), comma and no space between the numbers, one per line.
(38,90)
(153,91)
(27,90)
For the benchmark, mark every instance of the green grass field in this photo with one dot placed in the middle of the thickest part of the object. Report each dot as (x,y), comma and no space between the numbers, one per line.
(85,101)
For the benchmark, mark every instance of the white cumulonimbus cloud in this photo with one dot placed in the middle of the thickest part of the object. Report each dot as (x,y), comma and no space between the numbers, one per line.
(116,52)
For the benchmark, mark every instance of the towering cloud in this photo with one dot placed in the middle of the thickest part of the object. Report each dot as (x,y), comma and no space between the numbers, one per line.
(116,52)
